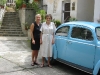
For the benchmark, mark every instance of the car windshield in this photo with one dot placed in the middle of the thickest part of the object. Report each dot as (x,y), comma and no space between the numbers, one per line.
(98,33)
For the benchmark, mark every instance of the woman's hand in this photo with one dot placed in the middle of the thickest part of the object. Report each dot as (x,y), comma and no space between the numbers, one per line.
(33,41)
(53,41)
(40,41)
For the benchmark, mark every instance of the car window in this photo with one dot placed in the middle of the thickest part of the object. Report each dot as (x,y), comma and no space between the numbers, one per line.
(63,31)
(81,33)
(98,33)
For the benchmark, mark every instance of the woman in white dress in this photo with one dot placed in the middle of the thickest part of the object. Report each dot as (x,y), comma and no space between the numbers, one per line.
(47,39)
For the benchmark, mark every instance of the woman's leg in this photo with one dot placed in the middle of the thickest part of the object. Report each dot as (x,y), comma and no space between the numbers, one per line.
(49,62)
(33,57)
(36,55)
(42,65)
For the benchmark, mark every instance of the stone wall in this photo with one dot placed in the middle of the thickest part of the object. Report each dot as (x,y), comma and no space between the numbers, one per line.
(2,12)
(26,16)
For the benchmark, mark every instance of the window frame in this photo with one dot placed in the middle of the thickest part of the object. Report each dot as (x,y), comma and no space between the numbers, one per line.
(66,31)
(86,28)
(96,33)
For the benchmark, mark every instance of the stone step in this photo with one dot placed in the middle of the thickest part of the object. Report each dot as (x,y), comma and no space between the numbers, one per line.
(10,16)
(11,13)
(10,26)
(15,17)
(11,29)
(12,34)
(11,23)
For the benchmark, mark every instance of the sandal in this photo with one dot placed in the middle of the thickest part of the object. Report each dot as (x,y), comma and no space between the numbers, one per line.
(49,66)
(42,65)
(35,63)
(32,64)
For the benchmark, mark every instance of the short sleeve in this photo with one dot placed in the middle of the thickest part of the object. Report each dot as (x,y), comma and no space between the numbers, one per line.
(54,27)
(41,29)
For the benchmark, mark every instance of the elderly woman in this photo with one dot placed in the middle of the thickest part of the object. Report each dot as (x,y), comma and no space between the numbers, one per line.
(47,39)
(35,38)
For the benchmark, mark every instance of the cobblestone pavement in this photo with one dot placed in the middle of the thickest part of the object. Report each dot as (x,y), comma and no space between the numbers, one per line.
(15,59)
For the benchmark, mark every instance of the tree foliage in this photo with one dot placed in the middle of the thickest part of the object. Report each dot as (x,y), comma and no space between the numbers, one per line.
(2,2)
(19,3)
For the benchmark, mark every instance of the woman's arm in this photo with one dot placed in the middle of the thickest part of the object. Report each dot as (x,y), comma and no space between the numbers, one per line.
(41,38)
(32,36)
(54,29)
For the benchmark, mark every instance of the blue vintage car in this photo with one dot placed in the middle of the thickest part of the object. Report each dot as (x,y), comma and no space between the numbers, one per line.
(77,44)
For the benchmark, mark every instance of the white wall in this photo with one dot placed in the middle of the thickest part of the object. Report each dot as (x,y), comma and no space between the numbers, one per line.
(96,10)
(1,14)
(22,19)
(73,13)
(50,8)
(85,10)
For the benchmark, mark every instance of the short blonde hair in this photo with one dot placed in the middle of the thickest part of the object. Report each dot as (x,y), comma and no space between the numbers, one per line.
(37,16)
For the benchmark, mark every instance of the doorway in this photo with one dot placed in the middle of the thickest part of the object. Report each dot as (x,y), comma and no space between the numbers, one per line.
(66,12)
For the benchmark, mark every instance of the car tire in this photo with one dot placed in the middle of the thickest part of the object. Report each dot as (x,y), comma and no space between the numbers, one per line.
(53,61)
(98,72)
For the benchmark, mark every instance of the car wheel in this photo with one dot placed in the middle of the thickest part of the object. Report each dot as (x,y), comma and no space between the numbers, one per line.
(98,72)
(53,61)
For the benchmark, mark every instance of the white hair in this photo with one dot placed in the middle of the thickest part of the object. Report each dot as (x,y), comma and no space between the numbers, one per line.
(37,16)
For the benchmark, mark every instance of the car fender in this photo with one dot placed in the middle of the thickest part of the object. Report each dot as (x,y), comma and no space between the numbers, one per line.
(54,51)
(96,68)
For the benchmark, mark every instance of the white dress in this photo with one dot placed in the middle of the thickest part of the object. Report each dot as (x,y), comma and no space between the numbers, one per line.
(47,36)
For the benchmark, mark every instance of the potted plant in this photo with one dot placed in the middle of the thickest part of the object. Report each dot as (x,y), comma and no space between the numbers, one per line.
(2,7)
(24,4)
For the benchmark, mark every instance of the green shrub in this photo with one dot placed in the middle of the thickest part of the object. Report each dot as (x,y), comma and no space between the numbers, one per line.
(19,3)
(2,2)
(42,13)
(57,22)
(72,19)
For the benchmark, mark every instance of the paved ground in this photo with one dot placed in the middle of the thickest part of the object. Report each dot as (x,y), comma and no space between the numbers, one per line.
(15,59)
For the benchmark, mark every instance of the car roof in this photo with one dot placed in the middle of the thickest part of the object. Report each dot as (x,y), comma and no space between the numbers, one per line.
(82,23)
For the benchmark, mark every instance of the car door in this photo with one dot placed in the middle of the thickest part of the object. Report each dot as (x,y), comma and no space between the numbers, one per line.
(81,48)
(60,41)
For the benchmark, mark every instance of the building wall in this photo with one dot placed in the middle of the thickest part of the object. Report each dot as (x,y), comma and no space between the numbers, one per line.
(73,13)
(2,11)
(54,7)
(85,10)
(96,10)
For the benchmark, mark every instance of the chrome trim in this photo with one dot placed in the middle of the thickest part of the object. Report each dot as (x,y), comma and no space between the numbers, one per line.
(74,67)
(79,42)
(98,46)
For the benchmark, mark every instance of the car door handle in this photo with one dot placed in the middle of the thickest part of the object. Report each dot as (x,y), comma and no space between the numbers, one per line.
(69,42)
